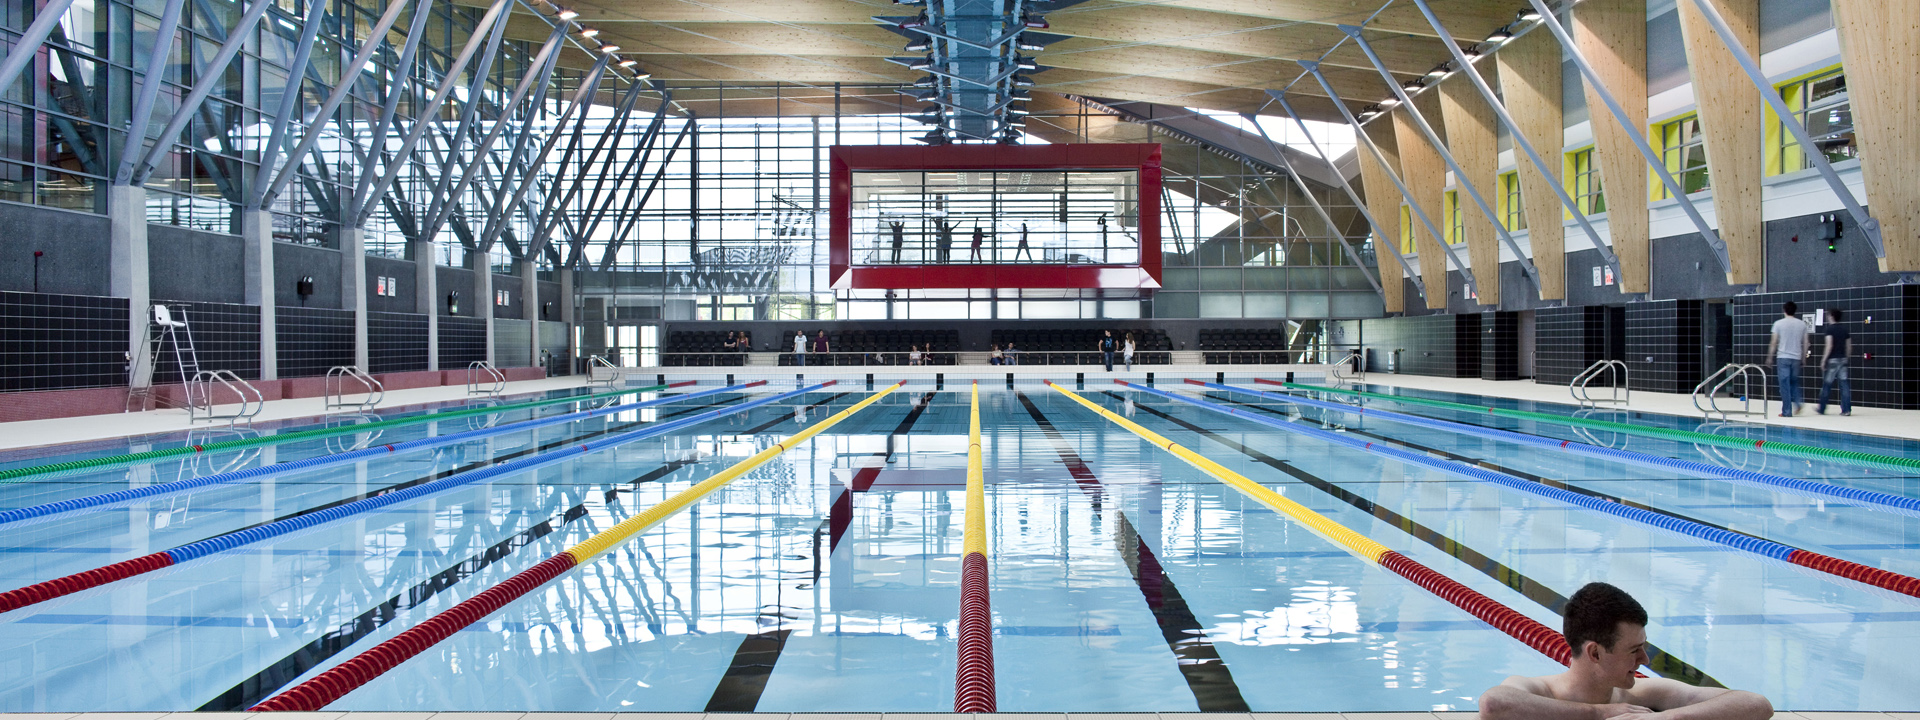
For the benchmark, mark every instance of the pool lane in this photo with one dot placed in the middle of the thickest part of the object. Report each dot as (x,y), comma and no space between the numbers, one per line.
(1810,632)
(38,551)
(200,629)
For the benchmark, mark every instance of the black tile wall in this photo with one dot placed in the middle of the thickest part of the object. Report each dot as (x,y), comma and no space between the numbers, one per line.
(1427,344)
(396,342)
(62,342)
(1663,345)
(1500,346)
(1885,366)
(225,337)
(1569,339)
(313,340)
(462,341)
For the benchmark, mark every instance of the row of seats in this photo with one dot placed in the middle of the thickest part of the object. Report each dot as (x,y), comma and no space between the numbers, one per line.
(1081,346)
(1244,347)
(682,342)
(882,347)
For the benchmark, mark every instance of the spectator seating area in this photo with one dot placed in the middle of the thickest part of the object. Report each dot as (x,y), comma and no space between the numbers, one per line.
(1081,346)
(1244,347)
(707,348)
(879,347)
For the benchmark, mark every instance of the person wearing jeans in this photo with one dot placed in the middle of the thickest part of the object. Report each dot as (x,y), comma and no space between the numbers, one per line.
(1788,346)
(800,348)
(1833,364)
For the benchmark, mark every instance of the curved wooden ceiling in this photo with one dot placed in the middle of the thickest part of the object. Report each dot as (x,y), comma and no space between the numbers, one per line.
(1214,54)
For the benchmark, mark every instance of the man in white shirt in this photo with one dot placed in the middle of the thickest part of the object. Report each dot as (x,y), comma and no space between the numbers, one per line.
(800,348)
(1788,348)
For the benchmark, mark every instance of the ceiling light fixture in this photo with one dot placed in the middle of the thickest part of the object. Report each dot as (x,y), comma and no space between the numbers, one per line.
(589,32)
(567,14)
(629,63)
(609,49)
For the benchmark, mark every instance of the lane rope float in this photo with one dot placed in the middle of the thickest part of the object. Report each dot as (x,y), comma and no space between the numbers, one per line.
(1546,640)
(973,686)
(358,670)
(1903,584)
(112,461)
(106,500)
(67,585)
(1807,452)
(1807,488)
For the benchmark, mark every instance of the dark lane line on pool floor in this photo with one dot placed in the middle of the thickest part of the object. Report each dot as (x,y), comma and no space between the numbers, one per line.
(263,684)
(739,690)
(1660,660)
(1207,675)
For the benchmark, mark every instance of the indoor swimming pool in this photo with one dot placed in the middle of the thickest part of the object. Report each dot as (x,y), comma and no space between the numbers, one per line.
(827,578)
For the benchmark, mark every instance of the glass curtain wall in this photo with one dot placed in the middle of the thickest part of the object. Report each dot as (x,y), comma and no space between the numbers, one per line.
(727,221)
(63,125)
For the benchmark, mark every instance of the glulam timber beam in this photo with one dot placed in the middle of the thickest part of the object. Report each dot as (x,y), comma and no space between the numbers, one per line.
(1730,127)
(1612,35)
(1880,45)
(1383,203)
(1530,86)
(1472,140)
(1425,174)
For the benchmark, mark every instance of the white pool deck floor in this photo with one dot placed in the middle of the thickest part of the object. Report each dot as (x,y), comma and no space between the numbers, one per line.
(1882,422)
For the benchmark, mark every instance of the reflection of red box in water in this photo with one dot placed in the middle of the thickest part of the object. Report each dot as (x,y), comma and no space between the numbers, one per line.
(847,159)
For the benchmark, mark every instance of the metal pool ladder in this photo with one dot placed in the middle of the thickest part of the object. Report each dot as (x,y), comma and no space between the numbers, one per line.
(603,373)
(200,390)
(484,379)
(1617,376)
(1351,369)
(1721,379)
(338,380)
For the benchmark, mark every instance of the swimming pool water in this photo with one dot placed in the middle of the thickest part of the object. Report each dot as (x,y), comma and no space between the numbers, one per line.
(1123,579)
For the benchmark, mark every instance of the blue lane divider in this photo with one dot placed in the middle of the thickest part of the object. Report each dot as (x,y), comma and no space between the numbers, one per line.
(229,541)
(104,500)
(1872,499)
(1689,528)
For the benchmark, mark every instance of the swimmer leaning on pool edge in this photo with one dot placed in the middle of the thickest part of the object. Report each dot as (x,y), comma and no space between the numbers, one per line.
(1607,630)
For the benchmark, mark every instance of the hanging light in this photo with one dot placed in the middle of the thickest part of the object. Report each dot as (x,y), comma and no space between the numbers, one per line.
(588,32)
(566,14)
(1500,36)
(629,63)
(1528,15)
(609,49)
(1389,102)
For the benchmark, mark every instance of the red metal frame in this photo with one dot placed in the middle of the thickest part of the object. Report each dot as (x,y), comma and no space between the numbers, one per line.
(846,159)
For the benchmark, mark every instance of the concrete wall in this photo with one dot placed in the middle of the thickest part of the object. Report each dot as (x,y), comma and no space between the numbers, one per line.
(196,265)
(73,246)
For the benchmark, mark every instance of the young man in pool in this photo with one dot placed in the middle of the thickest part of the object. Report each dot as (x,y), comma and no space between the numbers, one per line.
(1607,630)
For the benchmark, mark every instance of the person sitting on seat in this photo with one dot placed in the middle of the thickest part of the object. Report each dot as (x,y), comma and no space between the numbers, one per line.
(1013,354)
(996,358)
(914,357)
(1607,631)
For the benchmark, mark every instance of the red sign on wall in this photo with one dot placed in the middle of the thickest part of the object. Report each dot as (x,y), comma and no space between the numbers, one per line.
(995,216)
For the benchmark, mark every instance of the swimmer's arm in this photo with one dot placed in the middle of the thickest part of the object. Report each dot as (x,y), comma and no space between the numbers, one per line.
(1525,698)
(1680,701)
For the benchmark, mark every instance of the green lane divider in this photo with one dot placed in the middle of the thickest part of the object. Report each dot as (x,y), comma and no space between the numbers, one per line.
(37,471)
(1810,452)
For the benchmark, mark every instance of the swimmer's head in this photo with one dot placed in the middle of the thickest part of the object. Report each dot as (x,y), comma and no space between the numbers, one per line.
(1607,631)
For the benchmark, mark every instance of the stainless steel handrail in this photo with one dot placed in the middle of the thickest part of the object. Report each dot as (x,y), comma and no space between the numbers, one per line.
(336,390)
(1618,375)
(598,363)
(1349,369)
(484,379)
(200,396)
(1717,382)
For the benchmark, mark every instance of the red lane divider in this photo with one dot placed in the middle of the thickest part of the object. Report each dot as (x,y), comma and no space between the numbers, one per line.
(1525,629)
(1904,584)
(973,690)
(70,584)
(356,671)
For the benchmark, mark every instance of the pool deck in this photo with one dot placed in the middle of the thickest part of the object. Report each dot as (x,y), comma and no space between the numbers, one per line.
(1882,422)
(1805,715)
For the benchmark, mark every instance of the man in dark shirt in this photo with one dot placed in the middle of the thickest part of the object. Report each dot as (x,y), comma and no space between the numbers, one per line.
(1833,364)
(899,238)
(1106,349)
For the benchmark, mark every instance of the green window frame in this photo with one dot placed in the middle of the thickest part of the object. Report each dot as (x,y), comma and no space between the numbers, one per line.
(1511,216)
(1684,153)
(1819,102)
(1584,183)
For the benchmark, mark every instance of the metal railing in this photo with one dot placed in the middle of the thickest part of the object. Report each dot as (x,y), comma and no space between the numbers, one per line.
(1351,369)
(484,379)
(200,397)
(372,392)
(1724,378)
(603,373)
(1617,380)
